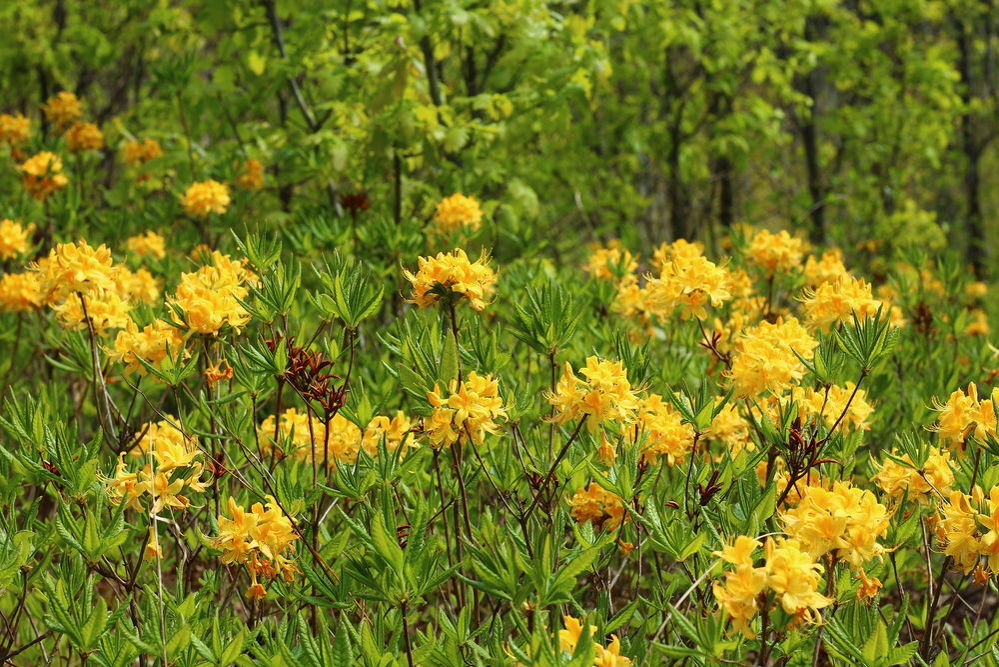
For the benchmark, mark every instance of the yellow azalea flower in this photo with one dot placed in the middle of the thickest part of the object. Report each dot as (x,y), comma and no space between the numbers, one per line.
(457,211)
(610,656)
(251,175)
(832,403)
(602,395)
(75,267)
(468,411)
(20,292)
(167,445)
(303,438)
(140,152)
(218,372)
(105,308)
(665,434)
(147,243)
(153,549)
(394,430)
(15,238)
(828,269)
(14,129)
(610,262)
(154,343)
(732,430)
(262,539)
(845,521)
(869,586)
(739,595)
(679,250)
(452,274)
(979,324)
(957,531)
(776,253)
(794,576)
(836,302)
(964,414)
(83,136)
(62,109)
(202,199)
(898,480)
(568,638)
(209,297)
(42,175)
(764,357)
(596,504)
(690,283)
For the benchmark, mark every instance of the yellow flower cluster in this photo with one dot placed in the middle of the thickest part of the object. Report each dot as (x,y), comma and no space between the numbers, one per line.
(42,175)
(177,466)
(306,439)
(832,403)
(14,129)
(776,253)
(663,429)
(261,539)
(20,292)
(140,152)
(602,395)
(845,521)
(596,504)
(296,435)
(62,109)
(764,358)
(788,572)
(208,298)
(968,530)
(251,175)
(468,412)
(202,199)
(605,656)
(83,136)
(834,302)
(828,269)
(15,238)
(457,211)
(963,415)
(449,274)
(610,262)
(147,243)
(898,480)
(689,282)
(732,430)
(75,272)
(154,343)
(395,431)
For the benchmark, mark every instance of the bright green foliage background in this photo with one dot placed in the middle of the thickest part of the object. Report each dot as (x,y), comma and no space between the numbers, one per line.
(847,122)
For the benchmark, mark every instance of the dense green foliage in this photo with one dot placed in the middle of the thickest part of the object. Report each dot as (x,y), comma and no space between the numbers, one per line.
(447,495)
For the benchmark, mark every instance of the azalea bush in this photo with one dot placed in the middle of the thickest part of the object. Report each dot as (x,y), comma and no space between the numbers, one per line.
(308,362)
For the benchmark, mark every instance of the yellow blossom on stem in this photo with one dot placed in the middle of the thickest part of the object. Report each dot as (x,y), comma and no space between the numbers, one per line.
(468,411)
(602,395)
(147,243)
(202,199)
(457,211)
(15,238)
(62,109)
(452,274)
(20,292)
(41,175)
(82,136)
(14,129)
(596,504)
(776,253)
